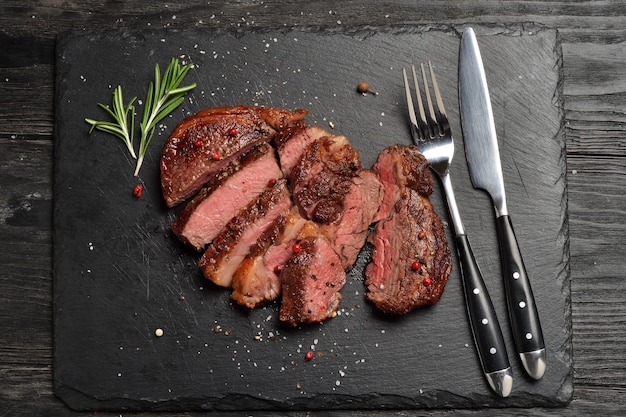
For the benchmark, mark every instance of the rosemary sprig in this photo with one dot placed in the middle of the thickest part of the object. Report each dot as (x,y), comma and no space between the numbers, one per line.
(164,96)
(119,112)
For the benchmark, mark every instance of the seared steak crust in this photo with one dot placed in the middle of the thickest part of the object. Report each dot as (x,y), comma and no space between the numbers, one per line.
(348,234)
(311,281)
(205,142)
(323,176)
(411,259)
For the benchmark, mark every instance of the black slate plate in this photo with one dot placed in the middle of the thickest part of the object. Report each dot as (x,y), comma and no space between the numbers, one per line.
(119,274)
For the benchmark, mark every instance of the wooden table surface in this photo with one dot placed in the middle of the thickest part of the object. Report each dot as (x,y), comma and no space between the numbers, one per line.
(593,37)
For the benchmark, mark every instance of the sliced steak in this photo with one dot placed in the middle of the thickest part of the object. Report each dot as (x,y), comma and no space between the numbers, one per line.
(224,255)
(257,280)
(323,176)
(202,144)
(292,142)
(236,185)
(311,281)
(348,234)
(411,259)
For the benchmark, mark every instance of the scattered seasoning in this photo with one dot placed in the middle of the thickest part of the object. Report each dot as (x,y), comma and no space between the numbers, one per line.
(277,269)
(271,182)
(416,266)
(296,248)
(181,297)
(138,190)
(198,143)
(158,332)
(216,156)
(309,355)
(363,87)
(421,235)
(427,281)
(232,131)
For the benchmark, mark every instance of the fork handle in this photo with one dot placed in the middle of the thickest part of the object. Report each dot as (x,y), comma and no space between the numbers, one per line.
(484,322)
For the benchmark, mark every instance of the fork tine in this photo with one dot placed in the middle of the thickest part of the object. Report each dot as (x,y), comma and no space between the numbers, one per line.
(419,95)
(442,109)
(409,100)
(433,117)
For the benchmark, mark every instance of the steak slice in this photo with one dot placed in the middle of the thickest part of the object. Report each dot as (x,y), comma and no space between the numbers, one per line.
(323,176)
(257,280)
(411,259)
(348,234)
(311,280)
(224,255)
(240,182)
(291,143)
(202,144)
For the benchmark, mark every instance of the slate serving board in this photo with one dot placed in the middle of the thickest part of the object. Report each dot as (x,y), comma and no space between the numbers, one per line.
(119,273)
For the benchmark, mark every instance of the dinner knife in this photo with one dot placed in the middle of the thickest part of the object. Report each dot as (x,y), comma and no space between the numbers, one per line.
(483,160)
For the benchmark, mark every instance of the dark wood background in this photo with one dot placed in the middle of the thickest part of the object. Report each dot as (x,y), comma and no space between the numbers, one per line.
(593,36)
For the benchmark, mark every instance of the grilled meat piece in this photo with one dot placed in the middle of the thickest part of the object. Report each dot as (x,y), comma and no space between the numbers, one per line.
(348,233)
(222,258)
(331,188)
(202,144)
(323,176)
(292,142)
(257,280)
(240,182)
(311,280)
(411,259)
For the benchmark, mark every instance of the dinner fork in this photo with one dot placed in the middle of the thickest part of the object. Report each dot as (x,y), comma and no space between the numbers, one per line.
(432,134)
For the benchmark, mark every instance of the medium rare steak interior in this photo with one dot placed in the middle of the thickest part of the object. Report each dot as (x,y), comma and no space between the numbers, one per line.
(232,188)
(233,244)
(257,280)
(283,210)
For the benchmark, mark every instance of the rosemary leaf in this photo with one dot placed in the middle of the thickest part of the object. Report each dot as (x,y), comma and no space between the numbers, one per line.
(119,112)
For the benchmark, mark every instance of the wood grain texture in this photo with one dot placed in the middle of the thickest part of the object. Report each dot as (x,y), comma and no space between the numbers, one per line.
(593,36)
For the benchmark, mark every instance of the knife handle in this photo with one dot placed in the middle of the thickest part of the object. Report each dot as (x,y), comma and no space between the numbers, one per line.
(482,316)
(523,314)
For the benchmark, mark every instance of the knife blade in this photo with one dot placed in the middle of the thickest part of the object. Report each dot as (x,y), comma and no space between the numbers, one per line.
(483,160)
